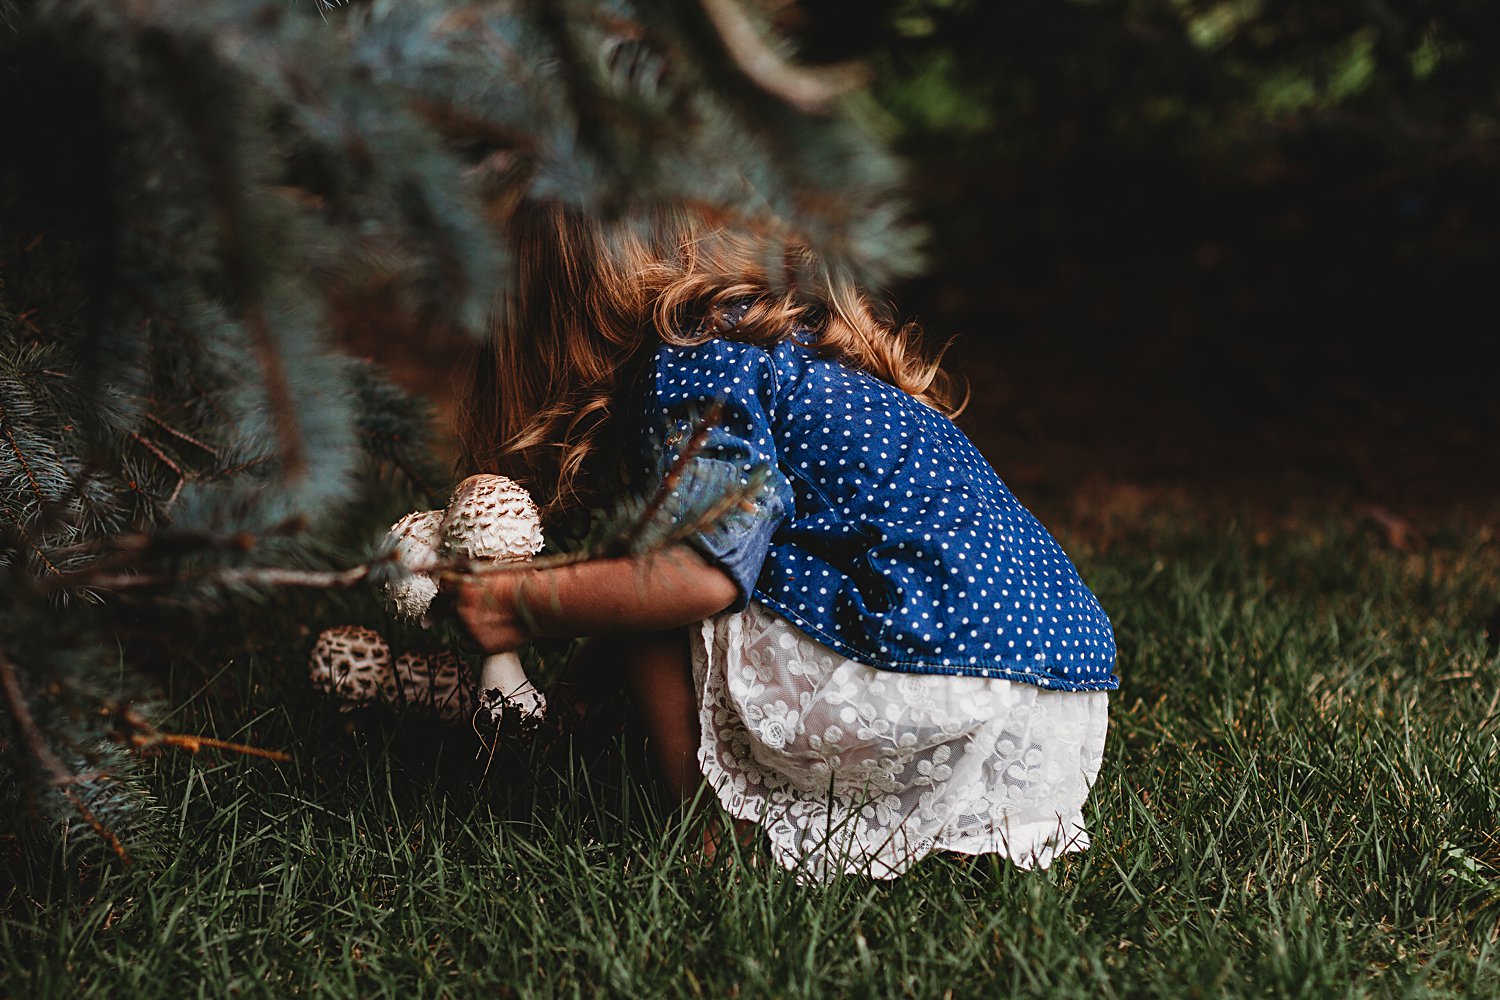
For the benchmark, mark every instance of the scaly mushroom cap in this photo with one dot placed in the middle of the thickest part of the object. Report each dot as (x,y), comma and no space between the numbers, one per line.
(414,541)
(438,682)
(491,517)
(353,665)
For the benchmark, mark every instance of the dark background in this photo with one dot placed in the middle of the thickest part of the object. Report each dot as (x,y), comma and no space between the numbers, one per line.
(1253,266)
(1237,253)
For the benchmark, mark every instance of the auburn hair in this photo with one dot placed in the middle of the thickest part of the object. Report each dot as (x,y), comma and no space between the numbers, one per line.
(589,300)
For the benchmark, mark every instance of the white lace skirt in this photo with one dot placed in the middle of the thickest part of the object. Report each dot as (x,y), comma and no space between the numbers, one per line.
(852,769)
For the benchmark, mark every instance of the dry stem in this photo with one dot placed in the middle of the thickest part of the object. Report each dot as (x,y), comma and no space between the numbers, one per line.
(144,736)
(808,90)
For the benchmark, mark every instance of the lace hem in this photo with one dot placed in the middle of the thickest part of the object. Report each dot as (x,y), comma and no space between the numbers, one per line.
(856,770)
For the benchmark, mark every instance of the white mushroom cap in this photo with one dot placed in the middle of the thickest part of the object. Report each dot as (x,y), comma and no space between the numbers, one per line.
(439,682)
(494,518)
(491,517)
(353,665)
(488,518)
(414,543)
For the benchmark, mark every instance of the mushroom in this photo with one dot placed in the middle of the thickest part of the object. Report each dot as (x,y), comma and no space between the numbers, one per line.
(414,543)
(493,519)
(489,518)
(353,665)
(439,683)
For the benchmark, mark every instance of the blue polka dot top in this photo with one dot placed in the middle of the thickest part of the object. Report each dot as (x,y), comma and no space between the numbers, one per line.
(879,530)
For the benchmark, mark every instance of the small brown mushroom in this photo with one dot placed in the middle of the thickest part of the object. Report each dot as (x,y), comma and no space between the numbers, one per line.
(439,683)
(352,665)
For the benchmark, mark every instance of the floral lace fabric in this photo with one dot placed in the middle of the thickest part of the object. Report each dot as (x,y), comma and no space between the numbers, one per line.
(852,769)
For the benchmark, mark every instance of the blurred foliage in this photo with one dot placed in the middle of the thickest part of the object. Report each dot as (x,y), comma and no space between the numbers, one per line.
(1212,76)
(1193,239)
(201,203)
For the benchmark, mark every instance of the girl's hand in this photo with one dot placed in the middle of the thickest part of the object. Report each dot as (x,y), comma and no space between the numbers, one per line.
(489,606)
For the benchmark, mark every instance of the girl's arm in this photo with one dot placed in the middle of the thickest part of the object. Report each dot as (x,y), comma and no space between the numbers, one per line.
(646,593)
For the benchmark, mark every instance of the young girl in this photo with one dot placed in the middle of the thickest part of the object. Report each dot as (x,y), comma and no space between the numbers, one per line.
(884,654)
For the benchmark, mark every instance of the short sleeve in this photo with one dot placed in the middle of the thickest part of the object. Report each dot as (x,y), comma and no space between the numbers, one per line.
(737,450)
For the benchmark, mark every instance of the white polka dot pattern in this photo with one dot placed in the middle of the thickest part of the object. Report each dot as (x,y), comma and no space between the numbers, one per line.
(883,533)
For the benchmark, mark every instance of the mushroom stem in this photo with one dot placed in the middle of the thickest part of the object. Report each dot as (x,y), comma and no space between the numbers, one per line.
(502,672)
(492,519)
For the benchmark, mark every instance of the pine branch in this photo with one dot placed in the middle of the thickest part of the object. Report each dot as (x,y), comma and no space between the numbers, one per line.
(182,435)
(115,574)
(17,532)
(235,470)
(239,268)
(161,456)
(583,97)
(405,467)
(736,499)
(690,450)
(15,447)
(58,775)
(259,166)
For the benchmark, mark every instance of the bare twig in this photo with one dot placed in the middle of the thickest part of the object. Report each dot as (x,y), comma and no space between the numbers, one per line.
(192,744)
(144,736)
(255,576)
(808,90)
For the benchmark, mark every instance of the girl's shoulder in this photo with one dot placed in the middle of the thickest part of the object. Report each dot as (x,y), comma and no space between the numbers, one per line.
(726,366)
(717,350)
(725,355)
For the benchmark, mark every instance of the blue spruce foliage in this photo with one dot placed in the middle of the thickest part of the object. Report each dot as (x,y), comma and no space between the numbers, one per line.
(198,203)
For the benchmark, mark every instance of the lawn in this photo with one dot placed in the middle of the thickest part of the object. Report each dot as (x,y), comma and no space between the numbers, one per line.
(1299,798)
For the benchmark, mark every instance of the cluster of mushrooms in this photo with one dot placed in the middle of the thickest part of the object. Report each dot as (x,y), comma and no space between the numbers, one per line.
(488,519)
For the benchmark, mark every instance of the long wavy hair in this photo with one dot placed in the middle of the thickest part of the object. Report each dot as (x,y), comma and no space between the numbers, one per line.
(590,300)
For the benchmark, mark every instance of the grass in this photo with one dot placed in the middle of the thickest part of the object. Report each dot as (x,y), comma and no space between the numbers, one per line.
(1299,798)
